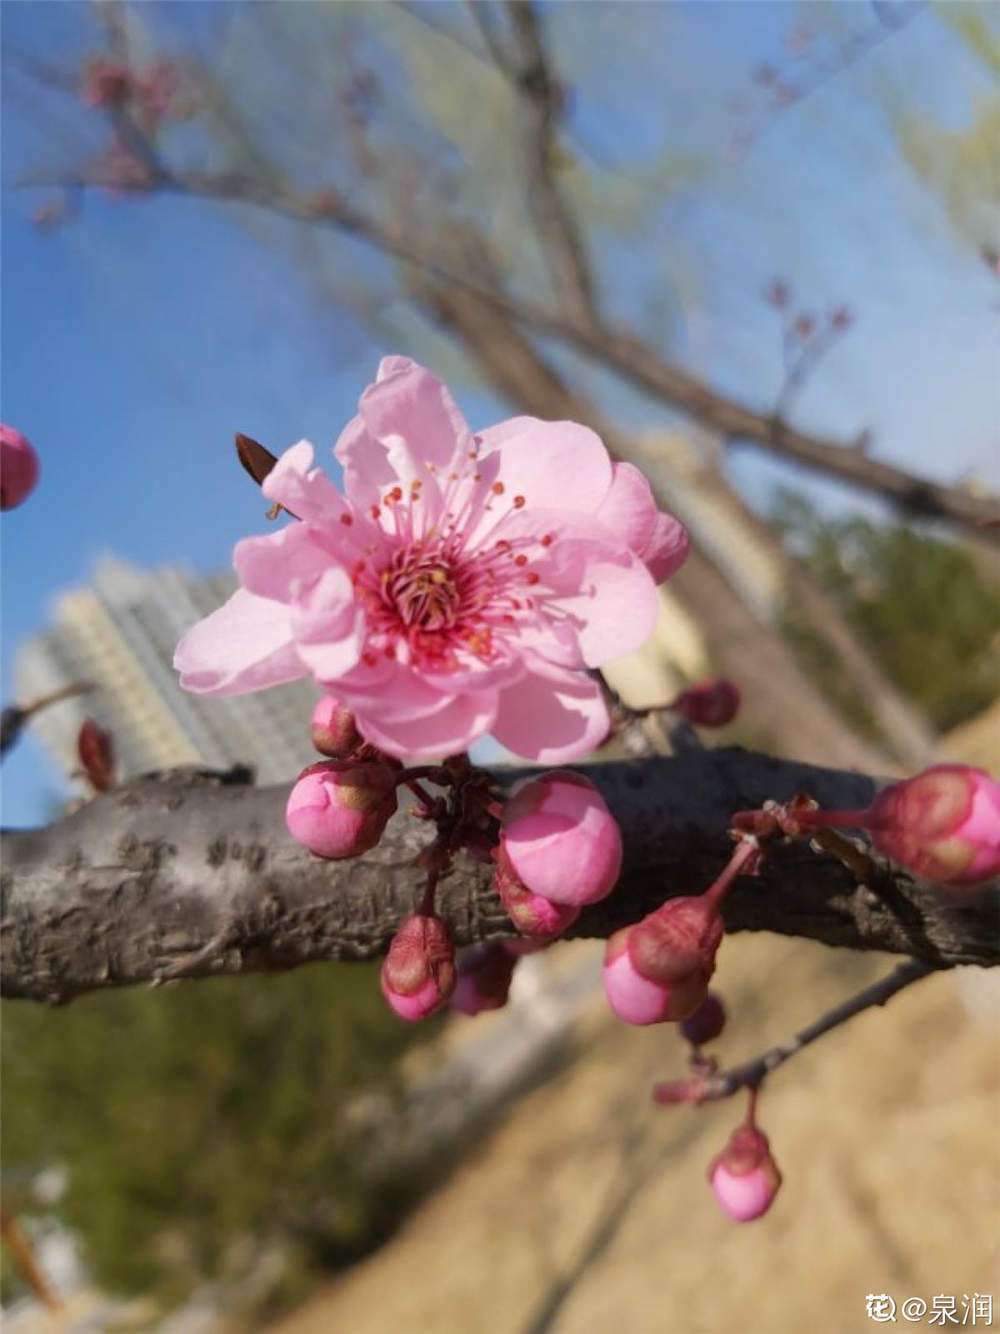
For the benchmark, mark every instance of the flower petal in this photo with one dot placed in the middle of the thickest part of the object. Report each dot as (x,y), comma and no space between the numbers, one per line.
(274,565)
(415,418)
(552,715)
(555,465)
(329,625)
(459,721)
(667,549)
(245,645)
(588,575)
(304,491)
(629,509)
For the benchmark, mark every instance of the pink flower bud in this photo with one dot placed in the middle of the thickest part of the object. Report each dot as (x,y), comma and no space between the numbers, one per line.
(418,974)
(333,730)
(706,1023)
(659,969)
(943,824)
(18,468)
(561,840)
(533,914)
(744,1177)
(711,703)
(484,976)
(339,809)
(107,82)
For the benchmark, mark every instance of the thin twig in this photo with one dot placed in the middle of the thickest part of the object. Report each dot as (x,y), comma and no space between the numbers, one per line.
(15,716)
(710,1088)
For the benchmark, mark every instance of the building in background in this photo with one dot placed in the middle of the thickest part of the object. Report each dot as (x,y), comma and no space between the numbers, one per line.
(120,634)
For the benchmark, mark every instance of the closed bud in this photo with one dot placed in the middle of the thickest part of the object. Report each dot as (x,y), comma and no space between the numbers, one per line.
(943,824)
(706,1023)
(561,840)
(96,750)
(418,974)
(533,914)
(659,969)
(18,468)
(333,729)
(744,1177)
(484,977)
(106,82)
(711,703)
(339,809)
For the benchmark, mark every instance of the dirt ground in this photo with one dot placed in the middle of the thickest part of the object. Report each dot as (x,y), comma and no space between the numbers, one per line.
(587,1208)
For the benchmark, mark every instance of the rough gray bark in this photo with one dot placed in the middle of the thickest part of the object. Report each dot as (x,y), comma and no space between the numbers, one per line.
(184,876)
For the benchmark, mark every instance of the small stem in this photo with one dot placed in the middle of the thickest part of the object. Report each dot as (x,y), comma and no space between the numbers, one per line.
(435,772)
(430,890)
(831,819)
(753,1073)
(744,861)
(752,1091)
(807,819)
(423,796)
(16,715)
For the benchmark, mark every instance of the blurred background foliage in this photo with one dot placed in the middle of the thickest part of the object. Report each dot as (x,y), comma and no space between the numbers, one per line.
(928,610)
(206,1130)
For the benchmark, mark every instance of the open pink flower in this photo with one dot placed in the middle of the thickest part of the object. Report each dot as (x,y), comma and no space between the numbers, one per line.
(462,585)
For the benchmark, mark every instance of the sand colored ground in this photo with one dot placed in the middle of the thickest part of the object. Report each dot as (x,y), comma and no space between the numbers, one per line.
(587,1210)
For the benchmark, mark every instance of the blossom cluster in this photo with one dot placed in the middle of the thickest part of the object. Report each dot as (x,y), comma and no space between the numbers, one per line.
(465,584)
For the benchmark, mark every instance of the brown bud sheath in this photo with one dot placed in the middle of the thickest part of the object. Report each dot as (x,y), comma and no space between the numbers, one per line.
(97,755)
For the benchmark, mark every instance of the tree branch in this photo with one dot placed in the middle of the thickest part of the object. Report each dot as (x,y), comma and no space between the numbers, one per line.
(711,1087)
(538,103)
(188,876)
(629,356)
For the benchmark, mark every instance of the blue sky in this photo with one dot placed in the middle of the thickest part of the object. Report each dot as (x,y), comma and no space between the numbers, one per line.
(138,337)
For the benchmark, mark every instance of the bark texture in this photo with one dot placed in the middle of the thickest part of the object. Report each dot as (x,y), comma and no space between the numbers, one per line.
(185,875)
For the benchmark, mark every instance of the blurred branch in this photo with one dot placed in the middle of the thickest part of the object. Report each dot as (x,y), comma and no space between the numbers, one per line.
(15,716)
(482,14)
(183,875)
(635,360)
(517,369)
(422,13)
(539,106)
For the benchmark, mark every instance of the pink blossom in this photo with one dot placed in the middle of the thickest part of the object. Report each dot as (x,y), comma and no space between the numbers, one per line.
(338,809)
(462,584)
(18,468)
(710,703)
(106,82)
(561,840)
(418,973)
(744,1177)
(943,824)
(659,969)
(533,914)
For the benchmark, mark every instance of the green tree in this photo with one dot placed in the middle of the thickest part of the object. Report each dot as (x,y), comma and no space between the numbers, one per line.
(205,1124)
(927,609)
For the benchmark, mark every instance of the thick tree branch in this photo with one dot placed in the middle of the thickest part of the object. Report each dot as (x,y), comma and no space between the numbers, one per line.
(182,876)
(634,360)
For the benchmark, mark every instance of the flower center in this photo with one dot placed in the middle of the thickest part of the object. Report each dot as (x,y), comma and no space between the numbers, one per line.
(423,591)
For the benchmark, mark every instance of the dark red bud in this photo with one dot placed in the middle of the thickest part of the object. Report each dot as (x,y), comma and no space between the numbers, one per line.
(95,748)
